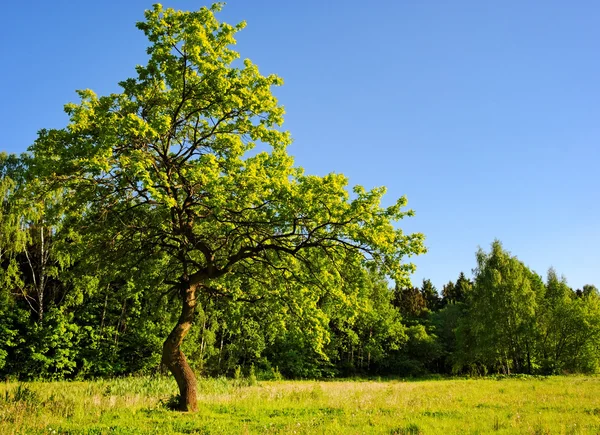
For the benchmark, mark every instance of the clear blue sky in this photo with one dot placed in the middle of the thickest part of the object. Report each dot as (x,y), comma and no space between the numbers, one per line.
(485,114)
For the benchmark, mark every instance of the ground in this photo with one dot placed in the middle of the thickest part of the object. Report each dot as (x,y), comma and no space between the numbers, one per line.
(553,405)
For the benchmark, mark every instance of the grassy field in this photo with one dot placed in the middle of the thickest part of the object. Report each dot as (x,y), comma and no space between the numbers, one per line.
(556,405)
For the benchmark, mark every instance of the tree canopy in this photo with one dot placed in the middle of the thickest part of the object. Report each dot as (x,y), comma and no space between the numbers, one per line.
(162,173)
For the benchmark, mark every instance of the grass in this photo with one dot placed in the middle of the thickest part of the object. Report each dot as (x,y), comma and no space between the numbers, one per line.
(555,405)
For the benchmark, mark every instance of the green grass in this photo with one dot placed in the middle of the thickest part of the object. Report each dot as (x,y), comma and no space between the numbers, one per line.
(555,405)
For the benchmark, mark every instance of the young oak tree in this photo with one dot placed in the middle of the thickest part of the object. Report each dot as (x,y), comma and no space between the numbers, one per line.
(162,173)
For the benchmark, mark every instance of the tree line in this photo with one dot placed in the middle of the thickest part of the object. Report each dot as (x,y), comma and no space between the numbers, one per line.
(150,234)
(59,319)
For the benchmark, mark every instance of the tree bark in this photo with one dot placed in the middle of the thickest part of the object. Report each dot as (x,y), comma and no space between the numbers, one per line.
(174,359)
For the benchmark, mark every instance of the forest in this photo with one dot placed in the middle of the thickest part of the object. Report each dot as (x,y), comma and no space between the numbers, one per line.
(166,229)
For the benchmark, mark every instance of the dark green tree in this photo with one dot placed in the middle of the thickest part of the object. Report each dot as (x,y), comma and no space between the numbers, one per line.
(410,302)
(431,296)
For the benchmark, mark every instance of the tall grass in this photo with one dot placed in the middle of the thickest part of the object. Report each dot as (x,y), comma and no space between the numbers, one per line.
(138,405)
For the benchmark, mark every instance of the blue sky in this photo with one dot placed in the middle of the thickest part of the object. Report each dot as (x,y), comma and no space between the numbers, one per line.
(485,114)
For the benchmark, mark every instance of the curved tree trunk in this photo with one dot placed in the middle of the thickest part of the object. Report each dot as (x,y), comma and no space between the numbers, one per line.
(173,357)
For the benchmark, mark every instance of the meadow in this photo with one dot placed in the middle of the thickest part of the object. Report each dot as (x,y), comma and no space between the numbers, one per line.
(138,405)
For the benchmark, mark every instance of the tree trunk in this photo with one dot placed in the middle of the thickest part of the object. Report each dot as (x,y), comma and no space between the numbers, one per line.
(528,359)
(42,287)
(173,357)
(369,354)
(104,311)
(202,344)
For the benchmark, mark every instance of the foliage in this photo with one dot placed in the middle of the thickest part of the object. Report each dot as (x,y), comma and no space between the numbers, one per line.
(453,293)
(106,319)
(430,294)
(502,310)
(174,202)
(569,328)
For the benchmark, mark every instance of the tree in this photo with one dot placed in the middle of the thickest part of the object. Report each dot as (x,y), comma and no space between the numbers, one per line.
(502,309)
(365,341)
(589,289)
(453,293)
(430,295)
(446,323)
(411,303)
(569,339)
(448,293)
(12,238)
(160,176)
(11,241)
(27,236)
(557,288)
